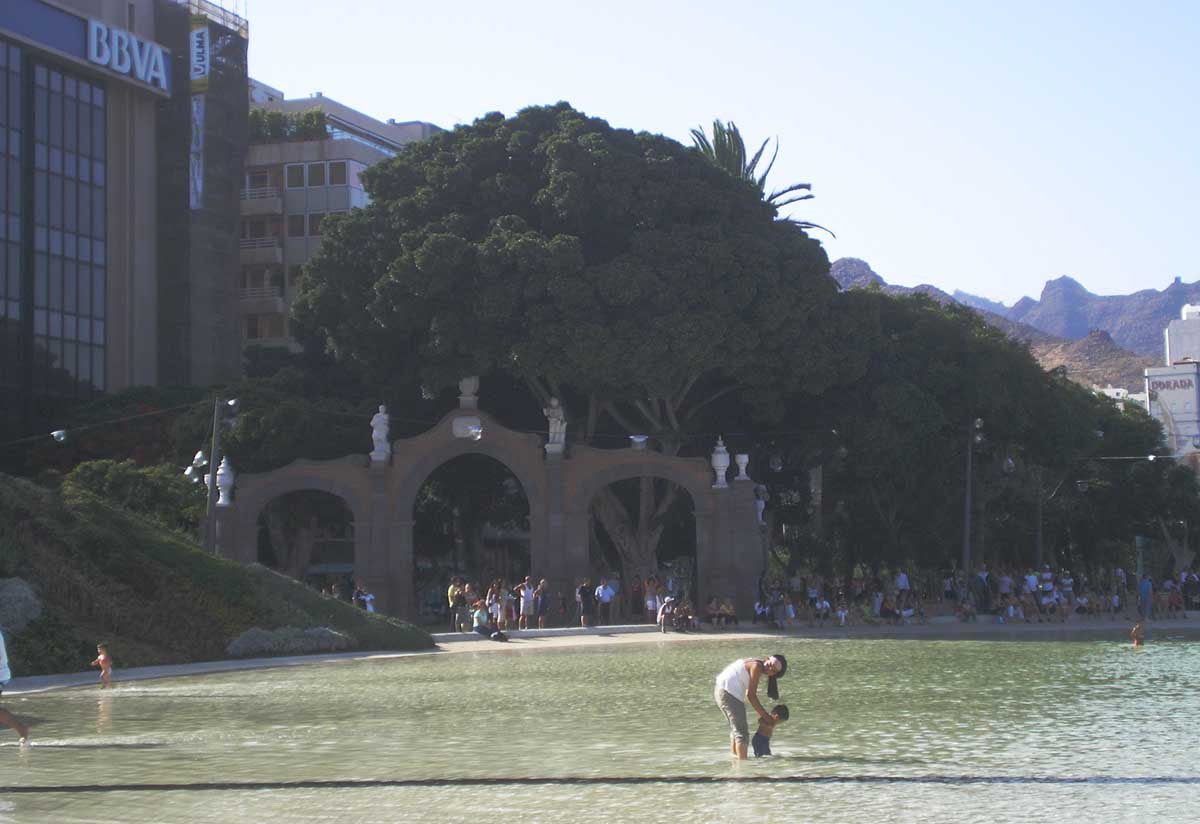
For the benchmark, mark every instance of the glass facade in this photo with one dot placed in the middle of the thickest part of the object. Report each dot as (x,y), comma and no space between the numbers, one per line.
(69,233)
(12,291)
(53,206)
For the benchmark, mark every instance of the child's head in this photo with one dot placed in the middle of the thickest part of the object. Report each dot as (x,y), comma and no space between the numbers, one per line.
(102,648)
(780,711)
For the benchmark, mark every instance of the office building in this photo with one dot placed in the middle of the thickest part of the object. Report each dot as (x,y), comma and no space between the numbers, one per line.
(122,131)
(303,163)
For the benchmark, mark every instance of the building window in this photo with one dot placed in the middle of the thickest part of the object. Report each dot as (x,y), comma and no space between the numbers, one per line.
(295,225)
(295,176)
(314,224)
(67,281)
(337,173)
(316,174)
(258,179)
(254,229)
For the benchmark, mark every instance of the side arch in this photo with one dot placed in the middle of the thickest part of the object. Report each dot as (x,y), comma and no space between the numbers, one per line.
(346,478)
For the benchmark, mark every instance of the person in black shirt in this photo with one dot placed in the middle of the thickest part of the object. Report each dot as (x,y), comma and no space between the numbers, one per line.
(587,603)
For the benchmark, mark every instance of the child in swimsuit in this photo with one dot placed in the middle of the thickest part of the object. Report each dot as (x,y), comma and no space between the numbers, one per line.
(104,662)
(766,726)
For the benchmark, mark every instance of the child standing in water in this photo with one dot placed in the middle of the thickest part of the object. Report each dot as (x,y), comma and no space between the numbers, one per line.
(104,662)
(766,726)
(1138,635)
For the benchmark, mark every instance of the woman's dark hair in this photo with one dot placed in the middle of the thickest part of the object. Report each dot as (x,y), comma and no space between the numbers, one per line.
(772,686)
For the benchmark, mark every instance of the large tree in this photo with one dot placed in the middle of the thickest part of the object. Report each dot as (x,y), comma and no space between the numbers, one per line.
(619,271)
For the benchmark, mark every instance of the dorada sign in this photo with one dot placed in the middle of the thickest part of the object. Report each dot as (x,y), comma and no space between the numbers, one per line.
(123,52)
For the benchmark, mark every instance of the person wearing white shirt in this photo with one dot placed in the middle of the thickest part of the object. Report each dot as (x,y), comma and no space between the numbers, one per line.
(901,582)
(604,597)
(7,718)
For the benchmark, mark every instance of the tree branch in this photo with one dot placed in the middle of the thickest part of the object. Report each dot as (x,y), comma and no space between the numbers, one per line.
(682,394)
(720,393)
(649,413)
(622,421)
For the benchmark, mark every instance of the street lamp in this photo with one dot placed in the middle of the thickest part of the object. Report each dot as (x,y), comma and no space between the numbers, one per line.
(223,412)
(974,436)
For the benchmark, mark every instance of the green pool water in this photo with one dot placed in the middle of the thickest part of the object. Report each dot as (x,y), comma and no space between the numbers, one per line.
(880,730)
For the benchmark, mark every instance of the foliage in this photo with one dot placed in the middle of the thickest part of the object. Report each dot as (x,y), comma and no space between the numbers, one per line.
(726,150)
(159,492)
(105,573)
(270,125)
(620,272)
(620,269)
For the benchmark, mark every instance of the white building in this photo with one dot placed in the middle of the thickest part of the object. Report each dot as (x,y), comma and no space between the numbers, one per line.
(1173,390)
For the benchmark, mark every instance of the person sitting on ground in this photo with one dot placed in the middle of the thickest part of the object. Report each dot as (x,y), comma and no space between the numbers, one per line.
(685,617)
(484,623)
(821,611)
(766,726)
(888,611)
(966,611)
(728,613)
(1083,604)
(712,613)
(666,613)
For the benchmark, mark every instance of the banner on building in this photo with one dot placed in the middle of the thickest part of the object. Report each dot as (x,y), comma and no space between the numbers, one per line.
(1174,393)
(196,155)
(199,54)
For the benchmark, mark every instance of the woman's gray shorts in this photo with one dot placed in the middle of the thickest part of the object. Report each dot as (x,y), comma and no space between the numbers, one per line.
(735,711)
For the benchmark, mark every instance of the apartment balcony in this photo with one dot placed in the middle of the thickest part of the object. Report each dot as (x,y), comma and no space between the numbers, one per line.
(266,200)
(261,251)
(261,300)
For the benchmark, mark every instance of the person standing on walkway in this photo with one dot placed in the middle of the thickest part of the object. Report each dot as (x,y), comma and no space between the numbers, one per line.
(7,718)
(736,685)
(587,602)
(604,597)
(1145,602)
(525,591)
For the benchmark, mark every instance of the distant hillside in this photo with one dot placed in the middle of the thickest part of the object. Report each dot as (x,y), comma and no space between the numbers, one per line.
(1093,359)
(1135,322)
(102,573)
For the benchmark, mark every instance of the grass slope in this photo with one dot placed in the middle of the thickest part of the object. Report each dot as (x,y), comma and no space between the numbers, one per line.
(106,574)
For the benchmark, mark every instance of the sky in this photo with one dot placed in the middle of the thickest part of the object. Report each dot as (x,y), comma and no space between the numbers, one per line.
(987,147)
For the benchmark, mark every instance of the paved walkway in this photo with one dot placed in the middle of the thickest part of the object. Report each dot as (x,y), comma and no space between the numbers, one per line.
(574,637)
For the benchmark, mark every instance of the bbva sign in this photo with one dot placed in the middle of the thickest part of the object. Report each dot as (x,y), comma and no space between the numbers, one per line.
(123,52)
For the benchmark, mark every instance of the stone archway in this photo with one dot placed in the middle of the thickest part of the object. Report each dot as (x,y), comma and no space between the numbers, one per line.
(380,491)
(727,539)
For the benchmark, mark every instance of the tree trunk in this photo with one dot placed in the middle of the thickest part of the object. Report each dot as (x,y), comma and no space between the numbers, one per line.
(636,542)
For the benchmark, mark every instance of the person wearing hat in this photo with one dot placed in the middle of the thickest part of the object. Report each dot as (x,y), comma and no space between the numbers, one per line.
(665,612)
(6,717)
(736,685)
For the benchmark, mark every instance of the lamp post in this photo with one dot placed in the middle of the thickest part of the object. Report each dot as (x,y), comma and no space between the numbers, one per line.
(974,436)
(221,409)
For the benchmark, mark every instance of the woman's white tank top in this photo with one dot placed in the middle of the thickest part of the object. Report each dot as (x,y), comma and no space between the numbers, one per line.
(735,680)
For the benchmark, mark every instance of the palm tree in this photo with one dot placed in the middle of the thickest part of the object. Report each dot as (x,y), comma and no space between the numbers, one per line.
(726,150)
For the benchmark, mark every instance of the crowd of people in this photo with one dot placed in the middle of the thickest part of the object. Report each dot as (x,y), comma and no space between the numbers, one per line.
(1007,594)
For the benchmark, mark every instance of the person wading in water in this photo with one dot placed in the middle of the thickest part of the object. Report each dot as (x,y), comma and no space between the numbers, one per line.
(737,684)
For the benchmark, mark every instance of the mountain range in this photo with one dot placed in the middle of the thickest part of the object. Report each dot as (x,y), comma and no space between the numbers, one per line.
(1097,339)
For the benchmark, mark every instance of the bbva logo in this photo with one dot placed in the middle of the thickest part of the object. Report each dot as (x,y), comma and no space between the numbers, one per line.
(125,53)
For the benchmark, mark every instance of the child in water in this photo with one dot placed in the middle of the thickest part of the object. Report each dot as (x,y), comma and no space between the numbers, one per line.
(104,662)
(1138,635)
(766,726)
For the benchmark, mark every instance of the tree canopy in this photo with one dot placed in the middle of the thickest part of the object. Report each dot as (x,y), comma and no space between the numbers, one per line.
(573,256)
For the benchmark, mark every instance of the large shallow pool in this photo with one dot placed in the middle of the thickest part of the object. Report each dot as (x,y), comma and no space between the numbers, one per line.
(880,730)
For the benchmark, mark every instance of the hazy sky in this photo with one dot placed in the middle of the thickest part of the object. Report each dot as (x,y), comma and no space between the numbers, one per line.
(981,146)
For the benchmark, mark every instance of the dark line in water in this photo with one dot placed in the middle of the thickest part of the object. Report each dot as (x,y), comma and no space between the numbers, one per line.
(343,784)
